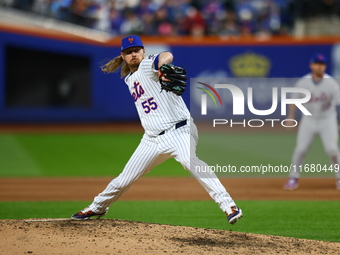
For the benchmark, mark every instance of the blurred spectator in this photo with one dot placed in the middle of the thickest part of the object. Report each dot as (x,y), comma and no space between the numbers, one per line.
(42,7)
(131,24)
(25,5)
(161,22)
(229,26)
(116,19)
(317,8)
(182,17)
(193,23)
(213,13)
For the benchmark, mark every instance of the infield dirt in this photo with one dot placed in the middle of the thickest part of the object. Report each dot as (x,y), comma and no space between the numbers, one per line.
(110,236)
(107,236)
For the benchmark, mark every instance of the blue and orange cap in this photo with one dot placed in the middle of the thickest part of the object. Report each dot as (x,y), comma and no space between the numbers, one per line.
(131,41)
(318,58)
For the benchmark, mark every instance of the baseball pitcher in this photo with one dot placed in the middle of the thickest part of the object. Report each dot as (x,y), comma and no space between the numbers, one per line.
(323,121)
(156,87)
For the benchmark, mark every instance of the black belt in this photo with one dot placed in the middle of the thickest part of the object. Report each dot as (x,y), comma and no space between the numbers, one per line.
(178,125)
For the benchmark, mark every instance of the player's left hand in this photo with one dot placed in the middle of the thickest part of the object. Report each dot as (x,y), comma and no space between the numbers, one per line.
(172,78)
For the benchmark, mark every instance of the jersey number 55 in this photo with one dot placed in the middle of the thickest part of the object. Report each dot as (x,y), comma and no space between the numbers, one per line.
(149,105)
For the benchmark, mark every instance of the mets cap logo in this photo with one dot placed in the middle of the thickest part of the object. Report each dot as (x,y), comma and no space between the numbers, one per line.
(130,39)
(320,57)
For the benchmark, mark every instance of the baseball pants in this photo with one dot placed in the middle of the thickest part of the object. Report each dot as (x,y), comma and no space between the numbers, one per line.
(178,143)
(309,127)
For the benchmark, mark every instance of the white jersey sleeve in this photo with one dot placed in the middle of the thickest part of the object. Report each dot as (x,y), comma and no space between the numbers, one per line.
(158,110)
(148,67)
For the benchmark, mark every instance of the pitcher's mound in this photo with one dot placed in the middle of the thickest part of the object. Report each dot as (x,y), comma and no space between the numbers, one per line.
(108,236)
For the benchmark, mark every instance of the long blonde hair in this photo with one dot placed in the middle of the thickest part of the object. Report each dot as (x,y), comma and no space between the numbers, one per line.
(114,64)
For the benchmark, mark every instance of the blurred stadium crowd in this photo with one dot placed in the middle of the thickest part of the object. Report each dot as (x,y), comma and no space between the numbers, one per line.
(181,17)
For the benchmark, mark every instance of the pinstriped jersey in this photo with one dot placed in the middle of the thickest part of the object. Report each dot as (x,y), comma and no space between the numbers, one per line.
(158,111)
(324,95)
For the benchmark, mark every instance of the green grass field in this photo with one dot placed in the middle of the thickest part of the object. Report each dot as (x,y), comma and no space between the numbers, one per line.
(24,155)
(52,155)
(72,155)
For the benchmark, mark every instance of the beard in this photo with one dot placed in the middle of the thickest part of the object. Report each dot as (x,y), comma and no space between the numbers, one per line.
(134,63)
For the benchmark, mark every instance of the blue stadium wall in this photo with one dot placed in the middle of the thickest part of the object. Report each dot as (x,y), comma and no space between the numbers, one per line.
(49,79)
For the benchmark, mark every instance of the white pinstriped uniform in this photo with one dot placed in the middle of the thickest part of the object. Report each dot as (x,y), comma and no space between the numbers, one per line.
(323,121)
(160,112)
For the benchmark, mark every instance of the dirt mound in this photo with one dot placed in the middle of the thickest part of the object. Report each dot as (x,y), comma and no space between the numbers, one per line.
(108,236)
